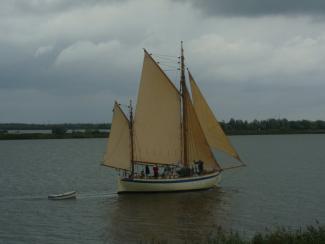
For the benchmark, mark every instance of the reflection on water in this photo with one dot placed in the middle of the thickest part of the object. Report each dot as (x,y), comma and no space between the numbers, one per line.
(165,216)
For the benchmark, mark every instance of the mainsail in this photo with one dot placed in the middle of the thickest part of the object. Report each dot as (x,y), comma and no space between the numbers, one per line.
(157,127)
(118,154)
(197,145)
(210,125)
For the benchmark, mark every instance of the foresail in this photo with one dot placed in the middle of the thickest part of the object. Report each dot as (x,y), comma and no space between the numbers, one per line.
(157,129)
(118,153)
(197,145)
(210,125)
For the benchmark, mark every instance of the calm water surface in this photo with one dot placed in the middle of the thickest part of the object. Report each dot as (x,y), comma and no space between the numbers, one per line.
(282,185)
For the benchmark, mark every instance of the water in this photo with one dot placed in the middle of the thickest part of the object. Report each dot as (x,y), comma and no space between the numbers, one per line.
(283,185)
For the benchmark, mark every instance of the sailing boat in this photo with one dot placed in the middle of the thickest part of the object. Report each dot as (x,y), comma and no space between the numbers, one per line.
(170,132)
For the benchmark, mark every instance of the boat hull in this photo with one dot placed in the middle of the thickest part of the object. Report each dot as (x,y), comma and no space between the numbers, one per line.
(169,185)
(66,195)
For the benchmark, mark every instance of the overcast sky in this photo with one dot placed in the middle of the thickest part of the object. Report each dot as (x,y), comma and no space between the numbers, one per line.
(67,61)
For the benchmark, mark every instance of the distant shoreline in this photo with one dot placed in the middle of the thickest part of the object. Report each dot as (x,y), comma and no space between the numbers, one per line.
(80,135)
(273,132)
(21,131)
(33,136)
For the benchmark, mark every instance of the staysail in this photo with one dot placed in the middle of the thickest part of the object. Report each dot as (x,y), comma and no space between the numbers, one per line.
(210,125)
(118,154)
(157,128)
(197,145)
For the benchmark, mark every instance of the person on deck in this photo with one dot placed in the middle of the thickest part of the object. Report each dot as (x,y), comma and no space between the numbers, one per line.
(167,171)
(200,166)
(155,171)
(147,170)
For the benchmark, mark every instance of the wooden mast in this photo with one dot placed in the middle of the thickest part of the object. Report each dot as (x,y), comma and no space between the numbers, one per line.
(183,88)
(131,137)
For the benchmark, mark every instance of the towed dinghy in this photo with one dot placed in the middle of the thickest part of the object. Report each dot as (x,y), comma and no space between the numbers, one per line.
(63,196)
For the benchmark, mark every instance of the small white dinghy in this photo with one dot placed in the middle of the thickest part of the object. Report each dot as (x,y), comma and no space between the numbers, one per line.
(66,195)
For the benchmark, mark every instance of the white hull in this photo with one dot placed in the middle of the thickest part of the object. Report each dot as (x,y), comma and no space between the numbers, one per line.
(168,185)
(66,195)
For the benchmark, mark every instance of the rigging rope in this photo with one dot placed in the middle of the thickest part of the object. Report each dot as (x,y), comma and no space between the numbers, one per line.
(164,55)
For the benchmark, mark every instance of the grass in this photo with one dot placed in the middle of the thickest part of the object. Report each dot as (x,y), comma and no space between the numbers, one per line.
(310,234)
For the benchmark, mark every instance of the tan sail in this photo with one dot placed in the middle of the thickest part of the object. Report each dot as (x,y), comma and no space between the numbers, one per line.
(157,132)
(210,125)
(197,145)
(118,153)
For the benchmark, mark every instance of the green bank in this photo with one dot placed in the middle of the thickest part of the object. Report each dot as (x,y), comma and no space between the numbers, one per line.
(307,235)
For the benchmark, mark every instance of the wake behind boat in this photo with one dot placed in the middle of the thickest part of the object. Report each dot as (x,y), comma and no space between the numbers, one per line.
(63,196)
(172,135)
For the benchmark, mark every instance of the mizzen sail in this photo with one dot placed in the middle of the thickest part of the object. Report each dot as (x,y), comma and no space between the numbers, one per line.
(118,154)
(157,127)
(210,125)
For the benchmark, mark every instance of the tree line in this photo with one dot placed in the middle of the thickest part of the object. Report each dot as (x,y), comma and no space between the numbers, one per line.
(273,125)
(233,126)
(67,126)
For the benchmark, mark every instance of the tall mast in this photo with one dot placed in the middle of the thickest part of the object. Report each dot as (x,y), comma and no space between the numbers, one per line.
(183,87)
(131,137)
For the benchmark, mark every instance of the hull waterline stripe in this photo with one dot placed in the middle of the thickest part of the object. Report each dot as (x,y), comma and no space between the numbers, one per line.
(169,191)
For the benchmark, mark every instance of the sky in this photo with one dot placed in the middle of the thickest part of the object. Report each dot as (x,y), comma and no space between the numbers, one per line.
(67,61)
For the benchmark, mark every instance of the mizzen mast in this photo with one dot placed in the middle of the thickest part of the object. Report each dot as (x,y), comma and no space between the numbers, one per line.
(131,137)
(184,124)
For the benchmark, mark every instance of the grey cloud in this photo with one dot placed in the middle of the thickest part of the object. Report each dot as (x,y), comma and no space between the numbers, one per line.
(49,6)
(78,69)
(260,7)
(66,61)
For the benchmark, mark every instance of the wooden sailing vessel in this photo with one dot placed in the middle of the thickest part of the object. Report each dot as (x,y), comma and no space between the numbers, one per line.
(170,131)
